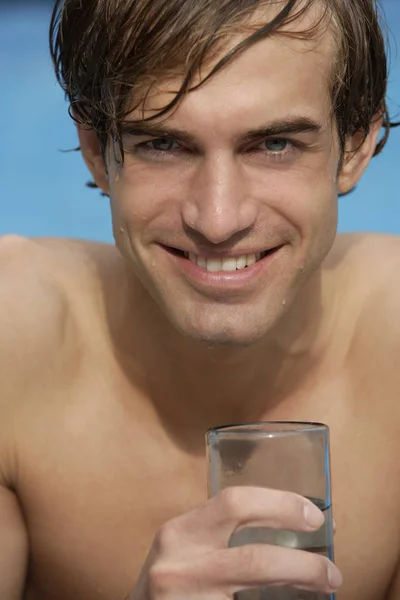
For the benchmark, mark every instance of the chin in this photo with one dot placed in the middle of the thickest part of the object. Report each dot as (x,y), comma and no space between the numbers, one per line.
(218,339)
(223,330)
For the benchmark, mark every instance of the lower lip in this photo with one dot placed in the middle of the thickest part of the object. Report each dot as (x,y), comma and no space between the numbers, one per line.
(224,279)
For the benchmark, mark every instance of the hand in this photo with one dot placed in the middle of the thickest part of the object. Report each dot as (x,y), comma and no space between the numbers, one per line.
(190,558)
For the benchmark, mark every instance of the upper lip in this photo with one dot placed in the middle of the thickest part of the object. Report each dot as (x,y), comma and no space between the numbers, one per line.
(223,252)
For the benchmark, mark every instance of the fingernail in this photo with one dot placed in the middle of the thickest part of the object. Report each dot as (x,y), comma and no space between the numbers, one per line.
(334,576)
(313,515)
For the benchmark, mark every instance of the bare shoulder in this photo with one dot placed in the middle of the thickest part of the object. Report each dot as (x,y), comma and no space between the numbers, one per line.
(46,286)
(28,296)
(366,271)
(367,266)
(372,253)
(62,264)
(41,280)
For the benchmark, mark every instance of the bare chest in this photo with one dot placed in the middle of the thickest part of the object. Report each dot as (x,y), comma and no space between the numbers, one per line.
(96,485)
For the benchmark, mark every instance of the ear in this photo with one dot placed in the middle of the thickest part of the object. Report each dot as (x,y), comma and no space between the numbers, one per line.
(92,154)
(357,156)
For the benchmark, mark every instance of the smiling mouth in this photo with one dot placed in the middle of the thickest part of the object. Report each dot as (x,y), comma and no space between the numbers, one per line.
(224,264)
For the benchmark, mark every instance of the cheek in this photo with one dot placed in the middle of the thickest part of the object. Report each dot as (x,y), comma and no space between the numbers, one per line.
(141,194)
(316,213)
(306,197)
(143,209)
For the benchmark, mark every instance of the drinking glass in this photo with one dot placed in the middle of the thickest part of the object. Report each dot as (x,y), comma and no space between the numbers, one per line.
(291,456)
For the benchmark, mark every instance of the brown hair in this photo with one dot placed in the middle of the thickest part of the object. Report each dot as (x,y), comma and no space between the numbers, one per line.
(108,53)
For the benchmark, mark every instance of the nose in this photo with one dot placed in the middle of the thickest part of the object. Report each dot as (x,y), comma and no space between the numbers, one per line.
(218,205)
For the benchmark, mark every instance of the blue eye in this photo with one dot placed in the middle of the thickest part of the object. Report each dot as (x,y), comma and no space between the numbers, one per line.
(161,145)
(276,145)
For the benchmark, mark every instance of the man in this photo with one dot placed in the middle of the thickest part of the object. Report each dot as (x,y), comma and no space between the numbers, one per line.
(223,133)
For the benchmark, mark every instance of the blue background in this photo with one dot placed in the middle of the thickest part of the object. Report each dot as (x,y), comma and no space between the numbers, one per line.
(42,190)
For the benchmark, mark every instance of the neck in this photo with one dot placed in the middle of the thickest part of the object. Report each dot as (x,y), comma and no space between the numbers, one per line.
(194,387)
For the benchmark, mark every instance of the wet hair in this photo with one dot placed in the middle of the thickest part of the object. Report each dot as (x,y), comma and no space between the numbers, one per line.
(108,54)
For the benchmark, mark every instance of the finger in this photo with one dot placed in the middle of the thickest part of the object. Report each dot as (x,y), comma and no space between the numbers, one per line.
(214,522)
(235,569)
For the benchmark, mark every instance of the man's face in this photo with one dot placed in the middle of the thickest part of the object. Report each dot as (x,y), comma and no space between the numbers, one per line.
(243,173)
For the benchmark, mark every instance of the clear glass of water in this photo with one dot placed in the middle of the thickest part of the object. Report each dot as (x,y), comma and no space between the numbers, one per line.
(289,456)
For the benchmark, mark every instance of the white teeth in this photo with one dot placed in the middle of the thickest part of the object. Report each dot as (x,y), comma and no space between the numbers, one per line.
(214,264)
(229,264)
(241,262)
(251,260)
(224,264)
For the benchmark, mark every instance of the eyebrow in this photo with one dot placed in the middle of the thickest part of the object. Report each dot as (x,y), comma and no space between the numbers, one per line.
(288,126)
(292,125)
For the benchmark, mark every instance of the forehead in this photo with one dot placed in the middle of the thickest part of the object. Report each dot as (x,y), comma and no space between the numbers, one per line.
(280,75)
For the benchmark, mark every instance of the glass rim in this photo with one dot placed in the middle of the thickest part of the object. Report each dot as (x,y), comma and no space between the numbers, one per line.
(257,427)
